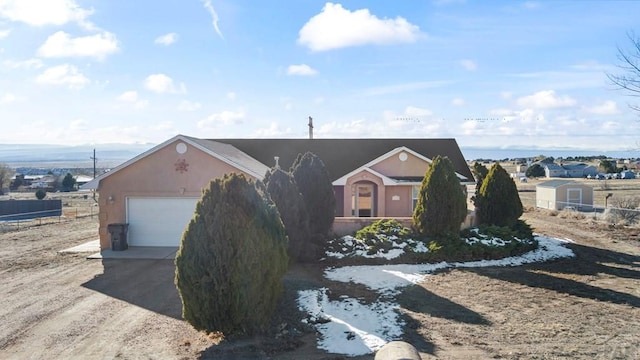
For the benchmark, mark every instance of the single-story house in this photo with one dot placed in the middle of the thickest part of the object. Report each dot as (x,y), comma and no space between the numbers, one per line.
(155,193)
(560,194)
(571,170)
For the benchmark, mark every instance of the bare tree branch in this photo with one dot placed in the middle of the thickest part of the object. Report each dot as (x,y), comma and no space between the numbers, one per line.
(628,79)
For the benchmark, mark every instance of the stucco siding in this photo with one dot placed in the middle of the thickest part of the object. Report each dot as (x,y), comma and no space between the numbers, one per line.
(399,201)
(393,166)
(159,175)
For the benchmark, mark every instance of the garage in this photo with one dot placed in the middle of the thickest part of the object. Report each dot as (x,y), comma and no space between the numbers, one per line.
(158,221)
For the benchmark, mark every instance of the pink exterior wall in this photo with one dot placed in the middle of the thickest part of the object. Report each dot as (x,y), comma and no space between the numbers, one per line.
(364,176)
(401,207)
(156,176)
(393,166)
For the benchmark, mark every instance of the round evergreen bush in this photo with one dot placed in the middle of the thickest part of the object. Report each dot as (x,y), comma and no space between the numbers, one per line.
(232,258)
(41,194)
(442,205)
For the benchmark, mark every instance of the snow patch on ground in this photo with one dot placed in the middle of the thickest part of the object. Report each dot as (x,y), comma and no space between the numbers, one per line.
(351,328)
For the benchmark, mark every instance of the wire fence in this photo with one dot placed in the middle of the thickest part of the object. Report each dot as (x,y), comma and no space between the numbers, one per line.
(629,213)
(14,222)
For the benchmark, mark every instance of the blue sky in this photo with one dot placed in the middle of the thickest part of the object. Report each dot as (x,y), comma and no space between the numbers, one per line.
(488,73)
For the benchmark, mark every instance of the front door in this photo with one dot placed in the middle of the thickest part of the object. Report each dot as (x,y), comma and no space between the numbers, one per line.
(363,206)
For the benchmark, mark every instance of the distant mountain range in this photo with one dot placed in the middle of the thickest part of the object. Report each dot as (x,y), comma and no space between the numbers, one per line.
(31,155)
(111,155)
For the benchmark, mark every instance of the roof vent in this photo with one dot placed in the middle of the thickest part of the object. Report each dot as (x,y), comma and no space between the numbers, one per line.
(310,127)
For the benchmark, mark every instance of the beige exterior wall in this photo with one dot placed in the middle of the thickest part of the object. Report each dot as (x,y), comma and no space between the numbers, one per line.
(557,198)
(365,176)
(156,175)
(393,166)
(399,201)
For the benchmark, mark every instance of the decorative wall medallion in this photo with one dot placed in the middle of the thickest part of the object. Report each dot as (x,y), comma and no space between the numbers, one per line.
(403,156)
(182,166)
(181,148)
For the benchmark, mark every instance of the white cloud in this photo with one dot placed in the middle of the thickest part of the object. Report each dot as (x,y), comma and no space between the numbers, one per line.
(610,125)
(8,98)
(401,88)
(166,39)
(231,95)
(468,65)
(163,84)
(546,99)
(273,131)
(186,105)
(66,74)
(214,17)
(225,118)
(607,108)
(4,33)
(336,27)
(132,97)
(45,12)
(128,96)
(457,102)
(319,100)
(506,95)
(301,70)
(78,124)
(61,44)
(25,64)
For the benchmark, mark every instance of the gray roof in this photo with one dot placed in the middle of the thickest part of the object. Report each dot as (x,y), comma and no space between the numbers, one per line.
(230,153)
(556,183)
(341,156)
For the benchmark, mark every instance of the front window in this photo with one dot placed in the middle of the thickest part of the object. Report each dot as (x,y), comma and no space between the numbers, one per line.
(415,191)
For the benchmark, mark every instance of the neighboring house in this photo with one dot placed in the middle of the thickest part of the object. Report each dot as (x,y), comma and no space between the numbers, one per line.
(558,194)
(156,192)
(571,170)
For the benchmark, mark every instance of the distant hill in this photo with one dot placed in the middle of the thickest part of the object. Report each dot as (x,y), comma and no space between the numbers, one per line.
(108,155)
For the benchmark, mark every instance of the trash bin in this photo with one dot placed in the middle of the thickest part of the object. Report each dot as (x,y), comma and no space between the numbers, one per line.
(118,234)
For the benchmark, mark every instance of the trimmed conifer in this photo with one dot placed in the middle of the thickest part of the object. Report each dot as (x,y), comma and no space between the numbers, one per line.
(314,183)
(232,258)
(285,194)
(442,204)
(500,203)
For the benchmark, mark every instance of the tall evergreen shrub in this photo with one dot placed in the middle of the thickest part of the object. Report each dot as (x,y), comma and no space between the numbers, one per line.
(232,258)
(499,199)
(285,194)
(442,204)
(314,183)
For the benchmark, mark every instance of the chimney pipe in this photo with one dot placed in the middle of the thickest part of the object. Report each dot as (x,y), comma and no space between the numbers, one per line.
(310,127)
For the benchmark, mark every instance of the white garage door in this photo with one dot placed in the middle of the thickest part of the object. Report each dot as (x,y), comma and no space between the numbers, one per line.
(158,221)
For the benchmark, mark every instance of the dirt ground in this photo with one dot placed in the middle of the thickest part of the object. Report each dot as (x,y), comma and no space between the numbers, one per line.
(63,306)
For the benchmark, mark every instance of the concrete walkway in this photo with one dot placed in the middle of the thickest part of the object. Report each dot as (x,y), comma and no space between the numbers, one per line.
(138,252)
(133,252)
(91,246)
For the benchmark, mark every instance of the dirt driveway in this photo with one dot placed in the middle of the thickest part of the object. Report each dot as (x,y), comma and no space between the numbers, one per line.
(59,306)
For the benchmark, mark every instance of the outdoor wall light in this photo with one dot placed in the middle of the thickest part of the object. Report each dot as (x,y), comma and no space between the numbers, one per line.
(111,199)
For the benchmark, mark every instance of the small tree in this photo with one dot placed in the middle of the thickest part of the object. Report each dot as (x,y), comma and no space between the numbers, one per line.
(314,183)
(607,166)
(499,202)
(68,182)
(285,194)
(6,173)
(232,258)
(480,172)
(41,194)
(535,171)
(442,205)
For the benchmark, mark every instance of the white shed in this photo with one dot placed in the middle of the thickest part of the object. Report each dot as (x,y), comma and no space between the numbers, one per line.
(558,194)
